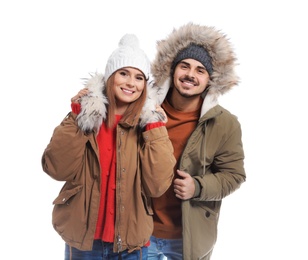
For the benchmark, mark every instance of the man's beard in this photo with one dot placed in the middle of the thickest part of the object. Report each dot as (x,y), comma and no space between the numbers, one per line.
(185,95)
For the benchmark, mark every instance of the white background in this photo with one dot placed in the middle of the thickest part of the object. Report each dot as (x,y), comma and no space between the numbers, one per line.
(46,47)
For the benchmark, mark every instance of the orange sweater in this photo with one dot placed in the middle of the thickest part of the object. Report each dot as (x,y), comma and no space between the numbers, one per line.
(167,208)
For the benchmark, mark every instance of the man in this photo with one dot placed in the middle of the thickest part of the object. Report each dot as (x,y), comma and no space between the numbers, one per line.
(194,65)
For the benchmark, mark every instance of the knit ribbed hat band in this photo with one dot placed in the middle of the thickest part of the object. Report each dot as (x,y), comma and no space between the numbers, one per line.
(195,52)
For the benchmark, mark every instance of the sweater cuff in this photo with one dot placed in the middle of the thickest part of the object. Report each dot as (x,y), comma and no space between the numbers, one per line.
(197,189)
(76,107)
(154,125)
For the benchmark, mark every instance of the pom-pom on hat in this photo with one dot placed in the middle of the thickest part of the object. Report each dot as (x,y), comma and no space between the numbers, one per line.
(128,54)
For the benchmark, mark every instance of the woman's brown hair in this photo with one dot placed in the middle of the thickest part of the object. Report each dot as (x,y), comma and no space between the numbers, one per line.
(133,110)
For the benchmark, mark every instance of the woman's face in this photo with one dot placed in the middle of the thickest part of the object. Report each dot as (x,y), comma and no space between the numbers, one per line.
(128,85)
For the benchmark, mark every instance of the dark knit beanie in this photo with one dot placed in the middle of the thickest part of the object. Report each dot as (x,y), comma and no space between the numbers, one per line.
(195,52)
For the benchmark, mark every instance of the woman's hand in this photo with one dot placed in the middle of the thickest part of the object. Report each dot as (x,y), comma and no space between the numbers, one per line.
(81,93)
(162,114)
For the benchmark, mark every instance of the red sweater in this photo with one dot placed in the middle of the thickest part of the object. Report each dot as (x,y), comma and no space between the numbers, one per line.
(106,216)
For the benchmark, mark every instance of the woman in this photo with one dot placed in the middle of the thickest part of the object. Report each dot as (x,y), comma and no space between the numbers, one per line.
(114,154)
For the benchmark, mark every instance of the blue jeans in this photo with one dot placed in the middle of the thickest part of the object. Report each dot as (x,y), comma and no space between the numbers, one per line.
(161,249)
(103,251)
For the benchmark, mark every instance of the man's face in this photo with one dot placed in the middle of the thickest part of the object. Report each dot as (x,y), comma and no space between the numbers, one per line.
(190,78)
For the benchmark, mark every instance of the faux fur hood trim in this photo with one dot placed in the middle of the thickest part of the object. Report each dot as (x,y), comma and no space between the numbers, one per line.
(94,105)
(219,48)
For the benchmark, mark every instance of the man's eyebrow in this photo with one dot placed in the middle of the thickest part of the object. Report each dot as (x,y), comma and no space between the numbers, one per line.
(188,64)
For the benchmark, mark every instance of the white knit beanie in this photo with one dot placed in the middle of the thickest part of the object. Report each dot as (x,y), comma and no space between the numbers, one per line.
(128,54)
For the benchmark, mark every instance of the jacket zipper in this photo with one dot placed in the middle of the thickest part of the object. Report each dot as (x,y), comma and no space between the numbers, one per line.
(204,145)
(119,170)
(119,243)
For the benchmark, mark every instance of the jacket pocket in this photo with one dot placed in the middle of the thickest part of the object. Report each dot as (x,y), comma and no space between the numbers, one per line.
(69,215)
(65,195)
(147,204)
(200,219)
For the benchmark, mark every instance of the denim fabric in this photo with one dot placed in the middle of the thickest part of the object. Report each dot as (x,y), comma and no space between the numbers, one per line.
(161,249)
(103,251)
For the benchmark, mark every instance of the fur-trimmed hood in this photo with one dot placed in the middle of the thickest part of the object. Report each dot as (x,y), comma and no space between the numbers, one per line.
(94,104)
(219,48)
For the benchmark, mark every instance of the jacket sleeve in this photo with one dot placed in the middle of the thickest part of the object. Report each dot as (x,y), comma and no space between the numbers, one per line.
(157,161)
(226,173)
(63,157)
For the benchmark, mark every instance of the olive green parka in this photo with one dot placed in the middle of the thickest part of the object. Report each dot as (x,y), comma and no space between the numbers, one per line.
(144,169)
(214,153)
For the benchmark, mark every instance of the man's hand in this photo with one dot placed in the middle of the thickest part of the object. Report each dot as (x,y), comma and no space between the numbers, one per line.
(184,187)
